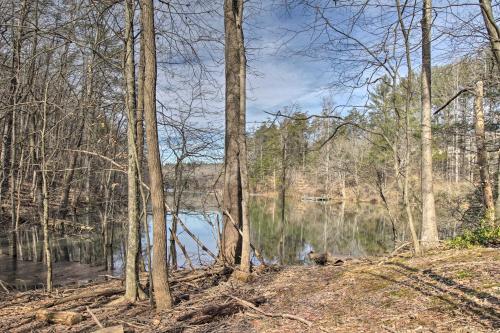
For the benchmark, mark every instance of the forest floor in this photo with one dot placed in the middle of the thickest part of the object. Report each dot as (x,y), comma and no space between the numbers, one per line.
(444,291)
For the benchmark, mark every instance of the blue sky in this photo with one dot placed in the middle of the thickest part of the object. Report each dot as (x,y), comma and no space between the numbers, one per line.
(285,70)
(278,77)
(302,70)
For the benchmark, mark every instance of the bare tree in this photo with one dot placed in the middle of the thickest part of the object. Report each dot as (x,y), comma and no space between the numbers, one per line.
(132,272)
(232,198)
(161,285)
(45,193)
(243,163)
(482,155)
(492,28)
(429,227)
(408,98)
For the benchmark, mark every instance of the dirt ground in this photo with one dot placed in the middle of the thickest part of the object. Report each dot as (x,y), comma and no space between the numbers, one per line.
(445,291)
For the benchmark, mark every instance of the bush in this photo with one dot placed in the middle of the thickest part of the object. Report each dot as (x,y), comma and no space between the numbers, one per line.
(482,236)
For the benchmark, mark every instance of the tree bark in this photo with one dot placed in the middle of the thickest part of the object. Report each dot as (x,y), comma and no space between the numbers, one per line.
(140,160)
(162,294)
(232,198)
(497,202)
(408,98)
(45,196)
(492,28)
(132,273)
(243,163)
(482,155)
(140,146)
(429,228)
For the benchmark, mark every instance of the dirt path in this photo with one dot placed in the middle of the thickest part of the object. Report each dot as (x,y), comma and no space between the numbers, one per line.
(448,291)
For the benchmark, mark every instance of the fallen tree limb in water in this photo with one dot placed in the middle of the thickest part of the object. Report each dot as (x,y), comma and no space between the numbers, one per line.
(183,249)
(196,239)
(257,253)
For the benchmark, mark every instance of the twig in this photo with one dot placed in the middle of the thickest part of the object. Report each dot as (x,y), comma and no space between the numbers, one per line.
(389,329)
(111,277)
(451,100)
(95,318)
(119,166)
(274,315)
(130,324)
(4,287)
(396,250)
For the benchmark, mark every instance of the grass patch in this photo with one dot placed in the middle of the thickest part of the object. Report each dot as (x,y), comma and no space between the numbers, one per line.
(401,293)
(464,274)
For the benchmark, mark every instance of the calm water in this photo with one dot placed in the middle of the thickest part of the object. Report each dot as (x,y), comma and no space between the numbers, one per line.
(344,230)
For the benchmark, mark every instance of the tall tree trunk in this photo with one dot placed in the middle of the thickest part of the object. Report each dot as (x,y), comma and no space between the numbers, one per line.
(68,176)
(177,201)
(45,195)
(232,198)
(281,245)
(408,98)
(482,156)
(492,28)
(12,176)
(140,160)
(140,146)
(163,297)
(497,202)
(132,272)
(429,226)
(243,163)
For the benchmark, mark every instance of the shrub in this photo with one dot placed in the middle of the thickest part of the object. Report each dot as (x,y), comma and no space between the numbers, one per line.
(482,236)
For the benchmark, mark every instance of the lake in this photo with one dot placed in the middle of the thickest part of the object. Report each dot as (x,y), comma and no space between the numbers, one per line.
(339,228)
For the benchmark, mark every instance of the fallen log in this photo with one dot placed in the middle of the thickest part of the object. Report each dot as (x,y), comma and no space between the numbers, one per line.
(224,270)
(85,294)
(214,311)
(59,317)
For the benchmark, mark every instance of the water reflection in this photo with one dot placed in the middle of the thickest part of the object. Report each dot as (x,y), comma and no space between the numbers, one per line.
(353,231)
(341,229)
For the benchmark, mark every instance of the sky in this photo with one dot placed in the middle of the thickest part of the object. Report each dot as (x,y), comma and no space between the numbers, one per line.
(284,73)
(279,77)
(288,68)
